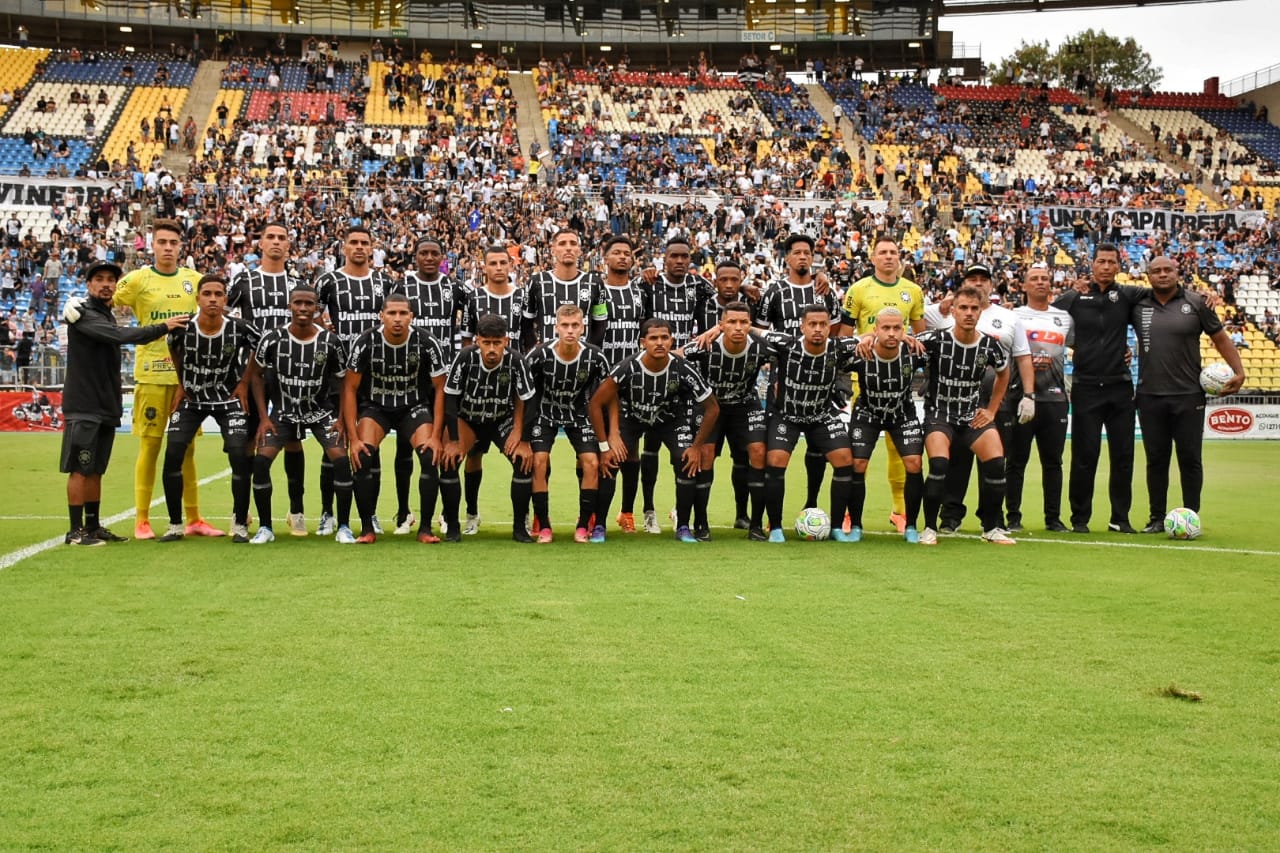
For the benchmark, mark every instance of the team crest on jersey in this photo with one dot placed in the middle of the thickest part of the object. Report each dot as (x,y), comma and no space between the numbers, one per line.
(904,296)
(150,413)
(1057,321)
(504,379)
(229,350)
(996,324)
(413,361)
(1186,309)
(321,357)
(188,287)
(1113,295)
(673,386)
(857,433)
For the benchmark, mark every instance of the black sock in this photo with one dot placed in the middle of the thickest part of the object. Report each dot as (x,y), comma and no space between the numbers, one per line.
(521,490)
(841,482)
(741,480)
(629,471)
(404,475)
(91,520)
(815,467)
(450,497)
(587,500)
(295,473)
(326,485)
(540,510)
(471,486)
(935,488)
(912,494)
(428,488)
(76,511)
(343,486)
(604,497)
(991,489)
(241,474)
(775,489)
(367,491)
(702,497)
(262,490)
(686,497)
(755,487)
(857,498)
(648,478)
(171,478)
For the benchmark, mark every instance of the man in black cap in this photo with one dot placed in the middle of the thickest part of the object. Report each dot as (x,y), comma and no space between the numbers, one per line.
(91,400)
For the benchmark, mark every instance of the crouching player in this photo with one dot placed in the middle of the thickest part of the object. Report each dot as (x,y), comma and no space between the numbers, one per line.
(210,356)
(565,373)
(300,363)
(884,404)
(395,380)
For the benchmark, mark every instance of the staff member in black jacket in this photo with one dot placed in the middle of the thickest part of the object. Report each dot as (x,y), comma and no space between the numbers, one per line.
(91,400)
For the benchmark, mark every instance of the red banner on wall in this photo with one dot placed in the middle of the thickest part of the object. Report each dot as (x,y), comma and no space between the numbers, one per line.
(30,411)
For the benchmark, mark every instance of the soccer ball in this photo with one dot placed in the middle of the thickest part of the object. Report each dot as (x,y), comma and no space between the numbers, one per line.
(1182,523)
(813,525)
(1214,377)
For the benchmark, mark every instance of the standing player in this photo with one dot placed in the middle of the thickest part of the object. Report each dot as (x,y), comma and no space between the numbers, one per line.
(563,284)
(958,359)
(730,365)
(652,395)
(884,405)
(154,294)
(622,304)
(395,380)
(262,298)
(210,357)
(352,297)
(1049,333)
(91,399)
(486,402)
(1170,401)
(807,373)
(300,363)
(565,373)
(863,302)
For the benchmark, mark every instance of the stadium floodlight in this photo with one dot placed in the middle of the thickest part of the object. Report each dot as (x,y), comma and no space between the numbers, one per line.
(125,28)
(605,48)
(475,45)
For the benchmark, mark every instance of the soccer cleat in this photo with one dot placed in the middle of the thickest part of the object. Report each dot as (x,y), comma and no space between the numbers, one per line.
(103,534)
(839,535)
(651,522)
(899,521)
(366,538)
(1154,527)
(1079,527)
(377,525)
(173,534)
(200,527)
(702,532)
(239,533)
(263,536)
(472,525)
(855,533)
(344,536)
(82,537)
(453,534)
(1056,526)
(142,530)
(742,523)
(1015,525)
(949,528)
(1121,527)
(521,535)
(757,534)
(928,536)
(597,534)
(911,535)
(776,535)
(684,534)
(997,536)
(297,524)
(582,534)
(404,526)
(544,535)
(328,524)
(426,537)
(626,522)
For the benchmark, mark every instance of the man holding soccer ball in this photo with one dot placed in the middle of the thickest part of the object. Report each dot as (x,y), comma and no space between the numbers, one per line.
(1170,399)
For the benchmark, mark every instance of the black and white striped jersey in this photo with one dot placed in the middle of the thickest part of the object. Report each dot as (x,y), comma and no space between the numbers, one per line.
(954,389)
(804,382)
(782,305)
(509,306)
(565,387)
(396,376)
(648,397)
(884,388)
(622,309)
(488,396)
(353,302)
(680,303)
(212,365)
(435,305)
(732,377)
(262,298)
(300,374)
(546,294)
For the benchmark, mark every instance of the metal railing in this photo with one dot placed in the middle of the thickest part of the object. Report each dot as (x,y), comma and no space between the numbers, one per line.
(1248,82)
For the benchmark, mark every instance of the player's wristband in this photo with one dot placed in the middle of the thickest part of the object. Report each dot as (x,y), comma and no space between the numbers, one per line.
(604,446)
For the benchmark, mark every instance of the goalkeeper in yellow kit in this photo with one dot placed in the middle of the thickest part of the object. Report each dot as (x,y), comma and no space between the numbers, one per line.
(864,299)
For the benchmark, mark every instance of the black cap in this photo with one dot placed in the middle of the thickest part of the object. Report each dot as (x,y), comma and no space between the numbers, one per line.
(103,265)
(977,269)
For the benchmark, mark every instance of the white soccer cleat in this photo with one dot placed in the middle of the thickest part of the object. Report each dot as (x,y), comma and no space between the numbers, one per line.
(239,533)
(263,536)
(297,524)
(328,525)
(471,526)
(344,536)
(405,527)
(377,525)
(928,536)
(651,522)
(998,536)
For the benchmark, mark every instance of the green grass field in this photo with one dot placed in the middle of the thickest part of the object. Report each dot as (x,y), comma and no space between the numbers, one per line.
(641,694)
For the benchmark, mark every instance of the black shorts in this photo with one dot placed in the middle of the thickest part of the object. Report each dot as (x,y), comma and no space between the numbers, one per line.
(326,432)
(86,447)
(823,436)
(405,420)
(185,422)
(956,433)
(580,434)
(739,425)
(489,432)
(676,433)
(908,437)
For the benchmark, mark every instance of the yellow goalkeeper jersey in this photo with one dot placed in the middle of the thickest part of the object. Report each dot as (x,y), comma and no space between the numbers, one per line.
(867,296)
(154,298)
